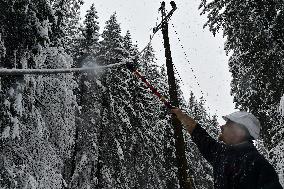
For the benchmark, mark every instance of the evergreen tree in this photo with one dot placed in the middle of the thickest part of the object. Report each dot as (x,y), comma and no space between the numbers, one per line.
(86,49)
(37,119)
(87,44)
(158,118)
(66,24)
(114,118)
(131,49)
(85,154)
(201,170)
(112,50)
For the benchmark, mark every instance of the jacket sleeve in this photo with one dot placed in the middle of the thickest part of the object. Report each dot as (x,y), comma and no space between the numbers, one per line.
(210,148)
(268,178)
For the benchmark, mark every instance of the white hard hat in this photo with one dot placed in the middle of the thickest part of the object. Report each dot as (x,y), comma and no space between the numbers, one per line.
(246,119)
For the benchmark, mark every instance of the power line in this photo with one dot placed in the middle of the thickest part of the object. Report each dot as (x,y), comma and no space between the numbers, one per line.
(189,63)
(178,74)
(187,60)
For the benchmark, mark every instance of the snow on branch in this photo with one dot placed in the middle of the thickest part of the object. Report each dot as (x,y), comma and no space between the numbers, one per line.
(281,107)
(5,71)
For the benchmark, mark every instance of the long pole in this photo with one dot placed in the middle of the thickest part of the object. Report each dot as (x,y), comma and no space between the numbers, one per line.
(4,71)
(184,180)
(151,87)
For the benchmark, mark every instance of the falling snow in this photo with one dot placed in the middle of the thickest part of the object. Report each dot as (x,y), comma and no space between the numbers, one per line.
(73,116)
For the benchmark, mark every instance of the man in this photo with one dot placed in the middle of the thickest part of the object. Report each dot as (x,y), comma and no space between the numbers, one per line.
(236,162)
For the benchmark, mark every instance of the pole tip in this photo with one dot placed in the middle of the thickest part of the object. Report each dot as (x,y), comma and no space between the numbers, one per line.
(173,4)
(130,66)
(163,4)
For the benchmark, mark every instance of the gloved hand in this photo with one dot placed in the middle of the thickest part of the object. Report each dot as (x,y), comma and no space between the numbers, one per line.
(188,122)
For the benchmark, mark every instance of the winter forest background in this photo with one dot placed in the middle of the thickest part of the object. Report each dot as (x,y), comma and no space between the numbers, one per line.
(104,129)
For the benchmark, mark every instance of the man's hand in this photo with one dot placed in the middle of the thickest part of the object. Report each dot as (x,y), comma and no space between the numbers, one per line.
(187,121)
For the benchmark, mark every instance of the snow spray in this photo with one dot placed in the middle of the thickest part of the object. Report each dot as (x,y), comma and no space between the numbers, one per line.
(92,63)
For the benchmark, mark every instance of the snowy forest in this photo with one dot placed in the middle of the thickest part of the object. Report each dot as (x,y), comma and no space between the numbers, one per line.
(104,129)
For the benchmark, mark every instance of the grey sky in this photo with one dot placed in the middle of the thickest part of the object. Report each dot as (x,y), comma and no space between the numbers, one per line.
(205,52)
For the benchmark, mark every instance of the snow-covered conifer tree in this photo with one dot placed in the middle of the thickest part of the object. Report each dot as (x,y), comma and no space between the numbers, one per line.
(66,24)
(37,112)
(87,45)
(114,118)
(200,169)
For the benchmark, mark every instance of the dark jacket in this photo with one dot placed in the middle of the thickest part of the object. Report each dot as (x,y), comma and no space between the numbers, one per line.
(236,166)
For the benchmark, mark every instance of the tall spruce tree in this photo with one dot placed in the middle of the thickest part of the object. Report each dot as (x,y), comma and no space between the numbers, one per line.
(37,119)
(158,118)
(201,170)
(130,117)
(87,43)
(114,118)
(66,24)
(85,159)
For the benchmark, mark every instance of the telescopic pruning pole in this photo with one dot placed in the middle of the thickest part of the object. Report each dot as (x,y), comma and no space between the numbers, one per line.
(183,177)
(131,67)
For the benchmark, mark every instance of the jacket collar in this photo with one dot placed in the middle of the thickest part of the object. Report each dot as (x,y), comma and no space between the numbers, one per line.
(244,146)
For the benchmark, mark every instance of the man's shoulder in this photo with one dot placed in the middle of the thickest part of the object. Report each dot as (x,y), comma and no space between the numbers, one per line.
(261,163)
(252,156)
(257,157)
(267,176)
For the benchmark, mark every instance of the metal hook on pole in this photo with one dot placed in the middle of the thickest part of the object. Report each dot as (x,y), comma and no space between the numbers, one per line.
(165,18)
